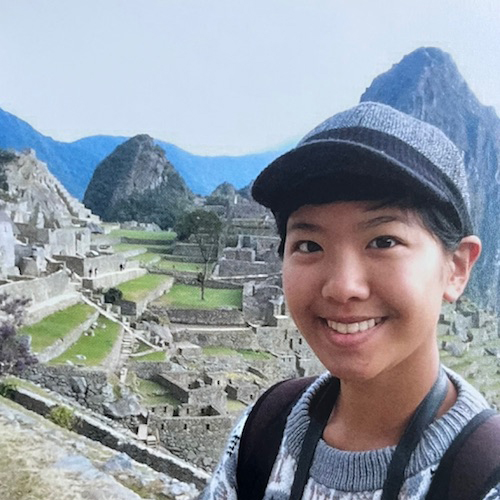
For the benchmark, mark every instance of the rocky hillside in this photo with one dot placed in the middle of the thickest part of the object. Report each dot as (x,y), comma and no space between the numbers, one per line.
(428,85)
(137,182)
(30,192)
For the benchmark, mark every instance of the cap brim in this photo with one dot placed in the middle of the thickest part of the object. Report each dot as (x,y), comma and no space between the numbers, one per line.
(335,165)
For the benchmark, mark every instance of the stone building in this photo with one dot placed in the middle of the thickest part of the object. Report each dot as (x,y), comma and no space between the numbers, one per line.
(7,245)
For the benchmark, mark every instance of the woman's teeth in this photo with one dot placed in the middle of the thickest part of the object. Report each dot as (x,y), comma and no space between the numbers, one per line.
(360,326)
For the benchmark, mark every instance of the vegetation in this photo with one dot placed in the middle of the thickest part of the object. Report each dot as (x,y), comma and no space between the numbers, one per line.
(143,235)
(56,326)
(171,265)
(139,288)
(219,351)
(95,348)
(152,356)
(7,388)
(112,195)
(113,295)
(63,416)
(187,297)
(153,393)
(5,157)
(146,258)
(205,229)
(15,354)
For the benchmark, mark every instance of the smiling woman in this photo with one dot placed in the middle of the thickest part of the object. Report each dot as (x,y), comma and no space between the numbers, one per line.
(372,209)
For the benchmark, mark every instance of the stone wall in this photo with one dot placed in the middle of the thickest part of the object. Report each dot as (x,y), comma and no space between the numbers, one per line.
(48,294)
(63,241)
(140,241)
(234,339)
(112,279)
(68,340)
(173,386)
(237,267)
(201,316)
(147,369)
(191,250)
(39,289)
(89,387)
(199,440)
(191,279)
(97,430)
(241,254)
(136,308)
(7,244)
(93,266)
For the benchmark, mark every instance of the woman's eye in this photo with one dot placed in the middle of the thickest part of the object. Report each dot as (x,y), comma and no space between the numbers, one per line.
(308,247)
(383,242)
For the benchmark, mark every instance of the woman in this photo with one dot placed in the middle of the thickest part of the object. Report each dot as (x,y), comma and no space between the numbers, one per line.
(373,211)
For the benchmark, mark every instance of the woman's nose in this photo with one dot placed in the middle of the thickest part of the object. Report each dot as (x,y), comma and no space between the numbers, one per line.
(345,279)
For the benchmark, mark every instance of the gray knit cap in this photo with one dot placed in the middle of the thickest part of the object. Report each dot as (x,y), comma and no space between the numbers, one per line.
(370,144)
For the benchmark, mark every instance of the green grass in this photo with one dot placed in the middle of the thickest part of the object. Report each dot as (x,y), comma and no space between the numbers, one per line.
(125,247)
(154,394)
(247,354)
(152,356)
(250,355)
(95,348)
(143,235)
(139,288)
(234,406)
(56,326)
(146,258)
(170,265)
(219,351)
(189,297)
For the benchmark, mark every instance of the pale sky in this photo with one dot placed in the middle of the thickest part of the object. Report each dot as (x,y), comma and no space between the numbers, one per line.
(223,76)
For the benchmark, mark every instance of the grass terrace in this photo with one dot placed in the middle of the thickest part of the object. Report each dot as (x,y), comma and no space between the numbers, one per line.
(146,258)
(170,265)
(95,348)
(152,356)
(189,297)
(143,235)
(247,354)
(139,288)
(153,393)
(56,326)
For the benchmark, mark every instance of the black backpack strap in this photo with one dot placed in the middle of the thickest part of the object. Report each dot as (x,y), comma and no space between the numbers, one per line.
(262,434)
(470,468)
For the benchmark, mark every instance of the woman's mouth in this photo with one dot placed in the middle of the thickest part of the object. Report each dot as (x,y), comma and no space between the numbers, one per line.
(354,326)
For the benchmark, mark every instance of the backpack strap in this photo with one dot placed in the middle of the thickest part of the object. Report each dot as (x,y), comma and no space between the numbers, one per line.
(262,434)
(470,468)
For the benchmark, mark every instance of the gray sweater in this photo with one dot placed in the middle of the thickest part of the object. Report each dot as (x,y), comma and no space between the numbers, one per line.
(347,475)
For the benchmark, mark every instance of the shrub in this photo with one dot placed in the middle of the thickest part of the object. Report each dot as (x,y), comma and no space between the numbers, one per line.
(7,388)
(63,416)
(113,295)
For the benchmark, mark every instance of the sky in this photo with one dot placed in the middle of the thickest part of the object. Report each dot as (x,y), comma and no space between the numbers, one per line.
(221,77)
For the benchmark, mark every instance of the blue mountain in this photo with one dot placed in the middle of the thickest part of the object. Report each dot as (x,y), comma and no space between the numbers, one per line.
(73,163)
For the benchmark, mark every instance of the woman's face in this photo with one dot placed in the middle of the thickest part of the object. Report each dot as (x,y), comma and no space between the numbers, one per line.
(365,287)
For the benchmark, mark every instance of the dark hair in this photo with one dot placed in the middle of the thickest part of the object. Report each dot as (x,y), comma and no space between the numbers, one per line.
(436,216)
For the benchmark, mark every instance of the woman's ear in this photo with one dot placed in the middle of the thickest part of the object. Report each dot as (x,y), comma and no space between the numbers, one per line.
(462,261)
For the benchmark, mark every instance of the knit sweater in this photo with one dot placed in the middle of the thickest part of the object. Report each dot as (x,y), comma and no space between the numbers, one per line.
(347,475)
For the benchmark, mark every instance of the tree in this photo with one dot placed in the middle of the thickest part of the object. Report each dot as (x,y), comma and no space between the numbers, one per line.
(204,228)
(113,296)
(15,353)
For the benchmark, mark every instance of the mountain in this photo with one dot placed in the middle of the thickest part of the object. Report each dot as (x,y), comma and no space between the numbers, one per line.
(30,194)
(427,84)
(74,163)
(137,182)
